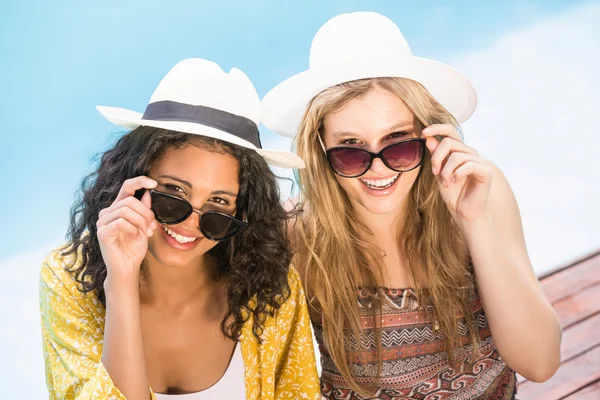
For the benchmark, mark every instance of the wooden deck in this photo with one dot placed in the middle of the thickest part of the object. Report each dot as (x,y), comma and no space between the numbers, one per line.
(574,291)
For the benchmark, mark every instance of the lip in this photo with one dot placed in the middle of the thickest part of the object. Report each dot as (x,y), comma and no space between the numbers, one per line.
(381,193)
(181,232)
(175,244)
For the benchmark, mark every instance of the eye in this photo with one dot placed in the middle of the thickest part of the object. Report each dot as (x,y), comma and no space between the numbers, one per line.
(397,135)
(351,141)
(174,188)
(219,201)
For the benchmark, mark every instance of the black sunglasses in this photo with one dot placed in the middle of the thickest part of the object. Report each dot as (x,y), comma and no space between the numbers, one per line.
(352,162)
(214,225)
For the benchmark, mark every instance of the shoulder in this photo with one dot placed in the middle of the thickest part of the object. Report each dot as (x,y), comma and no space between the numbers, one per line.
(293,304)
(296,295)
(57,284)
(54,270)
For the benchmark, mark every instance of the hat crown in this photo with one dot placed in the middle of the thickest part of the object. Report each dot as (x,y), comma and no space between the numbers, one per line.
(200,82)
(357,35)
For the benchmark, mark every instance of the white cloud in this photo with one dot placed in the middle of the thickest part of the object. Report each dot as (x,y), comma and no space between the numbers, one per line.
(22,365)
(538,120)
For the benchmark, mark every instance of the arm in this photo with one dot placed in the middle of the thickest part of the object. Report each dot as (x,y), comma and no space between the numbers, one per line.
(123,231)
(123,355)
(296,372)
(525,328)
(511,294)
(283,365)
(72,339)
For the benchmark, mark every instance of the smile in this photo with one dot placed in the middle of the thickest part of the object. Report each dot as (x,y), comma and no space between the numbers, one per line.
(179,238)
(380,184)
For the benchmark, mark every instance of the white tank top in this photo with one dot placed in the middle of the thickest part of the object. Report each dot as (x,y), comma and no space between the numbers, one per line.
(230,386)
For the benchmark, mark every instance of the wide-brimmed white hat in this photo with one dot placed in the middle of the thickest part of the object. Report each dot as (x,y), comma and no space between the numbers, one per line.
(357,46)
(198,97)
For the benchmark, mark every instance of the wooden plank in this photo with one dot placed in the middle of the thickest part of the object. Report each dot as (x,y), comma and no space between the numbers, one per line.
(591,392)
(571,376)
(580,337)
(579,306)
(572,279)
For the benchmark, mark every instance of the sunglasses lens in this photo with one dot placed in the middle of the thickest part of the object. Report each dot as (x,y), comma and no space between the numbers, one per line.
(169,209)
(349,162)
(404,156)
(218,226)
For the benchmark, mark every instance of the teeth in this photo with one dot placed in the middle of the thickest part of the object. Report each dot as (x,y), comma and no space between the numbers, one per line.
(379,184)
(178,237)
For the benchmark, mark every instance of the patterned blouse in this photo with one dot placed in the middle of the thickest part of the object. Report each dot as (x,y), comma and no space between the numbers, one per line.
(414,362)
(282,367)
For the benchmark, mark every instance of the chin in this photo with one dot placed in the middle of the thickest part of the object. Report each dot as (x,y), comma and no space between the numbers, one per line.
(380,206)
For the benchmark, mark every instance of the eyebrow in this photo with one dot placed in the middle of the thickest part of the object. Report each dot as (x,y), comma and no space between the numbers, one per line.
(189,185)
(183,182)
(224,192)
(395,127)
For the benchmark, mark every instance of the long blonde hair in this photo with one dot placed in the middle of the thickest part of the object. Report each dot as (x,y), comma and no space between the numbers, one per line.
(335,259)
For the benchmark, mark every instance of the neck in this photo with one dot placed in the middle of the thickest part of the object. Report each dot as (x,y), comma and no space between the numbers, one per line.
(172,287)
(382,228)
(383,233)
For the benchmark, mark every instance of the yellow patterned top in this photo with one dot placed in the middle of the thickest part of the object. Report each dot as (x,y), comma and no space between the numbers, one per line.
(282,367)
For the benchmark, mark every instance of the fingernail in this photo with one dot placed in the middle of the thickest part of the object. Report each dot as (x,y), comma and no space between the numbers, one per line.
(434,169)
(154,224)
(150,231)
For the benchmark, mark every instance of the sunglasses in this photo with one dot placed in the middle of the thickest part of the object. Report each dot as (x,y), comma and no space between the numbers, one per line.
(352,162)
(214,225)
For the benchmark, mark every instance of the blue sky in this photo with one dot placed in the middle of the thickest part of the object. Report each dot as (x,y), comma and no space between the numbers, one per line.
(62,58)
(534,64)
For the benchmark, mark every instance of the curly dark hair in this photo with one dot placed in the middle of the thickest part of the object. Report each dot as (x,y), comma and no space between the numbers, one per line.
(256,263)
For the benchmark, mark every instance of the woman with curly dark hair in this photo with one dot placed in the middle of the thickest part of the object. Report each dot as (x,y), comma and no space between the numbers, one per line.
(176,278)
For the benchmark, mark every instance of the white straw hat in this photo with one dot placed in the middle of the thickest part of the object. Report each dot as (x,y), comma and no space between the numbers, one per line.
(198,97)
(357,46)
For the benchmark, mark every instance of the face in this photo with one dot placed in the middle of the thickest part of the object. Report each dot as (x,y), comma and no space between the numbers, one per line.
(208,180)
(373,121)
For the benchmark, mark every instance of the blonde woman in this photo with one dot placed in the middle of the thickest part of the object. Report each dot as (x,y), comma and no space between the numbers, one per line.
(410,244)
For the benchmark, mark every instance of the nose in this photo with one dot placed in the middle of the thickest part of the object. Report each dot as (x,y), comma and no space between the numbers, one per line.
(378,167)
(194,219)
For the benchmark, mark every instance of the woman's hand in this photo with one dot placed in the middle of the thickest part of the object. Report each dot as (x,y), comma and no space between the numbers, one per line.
(464,177)
(123,232)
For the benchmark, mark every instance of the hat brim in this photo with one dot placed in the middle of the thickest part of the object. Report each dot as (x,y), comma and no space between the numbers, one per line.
(131,119)
(284,106)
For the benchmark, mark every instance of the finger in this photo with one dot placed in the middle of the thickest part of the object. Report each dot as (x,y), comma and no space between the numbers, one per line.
(479,171)
(130,216)
(147,202)
(454,161)
(138,206)
(432,144)
(130,186)
(443,150)
(118,227)
(446,130)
